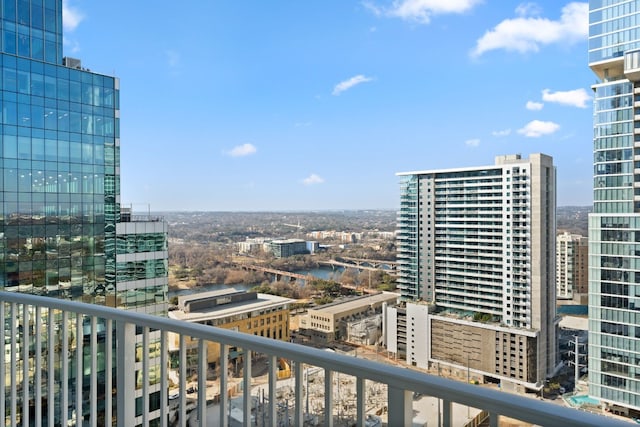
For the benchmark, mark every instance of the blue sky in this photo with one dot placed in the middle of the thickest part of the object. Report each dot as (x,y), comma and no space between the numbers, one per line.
(312,105)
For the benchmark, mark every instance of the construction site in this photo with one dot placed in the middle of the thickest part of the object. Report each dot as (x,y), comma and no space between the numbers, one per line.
(427,410)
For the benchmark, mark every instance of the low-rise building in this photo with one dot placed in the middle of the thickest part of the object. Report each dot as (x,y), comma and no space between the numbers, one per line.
(253,313)
(462,346)
(287,248)
(344,320)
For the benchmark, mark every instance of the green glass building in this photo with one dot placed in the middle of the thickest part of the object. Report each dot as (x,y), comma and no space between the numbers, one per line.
(62,231)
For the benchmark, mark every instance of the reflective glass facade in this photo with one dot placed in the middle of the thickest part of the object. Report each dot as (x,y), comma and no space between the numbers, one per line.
(59,130)
(409,279)
(32,29)
(62,231)
(614,226)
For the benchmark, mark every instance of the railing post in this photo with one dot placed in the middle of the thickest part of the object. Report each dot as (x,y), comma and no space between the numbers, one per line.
(182,367)
(79,367)
(108,369)
(51,415)
(494,419)
(446,413)
(14,363)
(126,371)
(144,357)
(93,385)
(360,398)
(298,410)
(37,382)
(202,382)
(328,397)
(224,395)
(273,377)
(3,381)
(26,327)
(64,379)
(246,387)
(399,406)
(164,379)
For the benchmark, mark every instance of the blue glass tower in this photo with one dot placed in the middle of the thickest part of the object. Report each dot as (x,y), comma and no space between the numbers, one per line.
(60,162)
(614,225)
(62,232)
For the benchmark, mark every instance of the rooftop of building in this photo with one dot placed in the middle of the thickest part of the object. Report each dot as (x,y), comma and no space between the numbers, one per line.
(224,303)
(574,322)
(285,241)
(481,320)
(501,162)
(356,302)
(126,215)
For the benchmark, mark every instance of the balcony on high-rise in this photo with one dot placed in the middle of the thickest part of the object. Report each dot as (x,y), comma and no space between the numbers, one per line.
(55,378)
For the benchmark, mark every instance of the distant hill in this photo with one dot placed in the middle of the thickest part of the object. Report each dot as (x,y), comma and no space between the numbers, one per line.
(574,219)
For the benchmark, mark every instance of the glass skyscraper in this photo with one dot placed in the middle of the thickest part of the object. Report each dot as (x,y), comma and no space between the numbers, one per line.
(614,225)
(62,231)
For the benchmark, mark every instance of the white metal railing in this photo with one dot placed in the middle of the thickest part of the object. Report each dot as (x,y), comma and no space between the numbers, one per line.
(53,394)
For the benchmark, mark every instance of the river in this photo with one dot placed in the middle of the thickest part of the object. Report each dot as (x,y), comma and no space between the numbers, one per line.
(325,273)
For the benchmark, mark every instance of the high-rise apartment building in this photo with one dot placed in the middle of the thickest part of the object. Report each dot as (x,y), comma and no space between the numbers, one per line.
(614,225)
(478,246)
(62,233)
(571,266)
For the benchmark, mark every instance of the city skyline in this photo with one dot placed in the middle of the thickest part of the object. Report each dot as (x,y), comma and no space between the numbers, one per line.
(313,107)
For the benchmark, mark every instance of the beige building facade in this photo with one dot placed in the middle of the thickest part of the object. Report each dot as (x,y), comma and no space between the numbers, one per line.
(331,322)
(572,278)
(478,244)
(249,312)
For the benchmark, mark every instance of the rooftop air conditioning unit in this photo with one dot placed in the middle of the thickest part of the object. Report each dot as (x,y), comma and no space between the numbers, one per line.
(72,63)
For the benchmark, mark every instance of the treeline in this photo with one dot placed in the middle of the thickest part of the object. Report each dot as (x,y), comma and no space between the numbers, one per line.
(320,291)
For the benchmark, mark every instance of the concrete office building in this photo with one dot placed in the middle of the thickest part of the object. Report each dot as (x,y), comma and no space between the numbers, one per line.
(249,312)
(61,230)
(571,266)
(614,225)
(352,320)
(478,245)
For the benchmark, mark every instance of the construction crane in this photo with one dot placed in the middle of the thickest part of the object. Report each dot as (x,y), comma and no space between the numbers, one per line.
(298,226)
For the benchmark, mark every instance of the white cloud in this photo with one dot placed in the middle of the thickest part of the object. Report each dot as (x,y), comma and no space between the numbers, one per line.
(242,150)
(534,106)
(472,142)
(313,179)
(71,16)
(349,83)
(421,10)
(70,45)
(528,9)
(528,33)
(501,133)
(537,128)
(575,98)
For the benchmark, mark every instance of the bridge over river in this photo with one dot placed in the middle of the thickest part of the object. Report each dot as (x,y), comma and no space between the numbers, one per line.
(362,264)
(278,274)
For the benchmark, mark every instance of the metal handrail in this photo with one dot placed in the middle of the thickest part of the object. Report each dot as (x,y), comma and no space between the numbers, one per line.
(401,381)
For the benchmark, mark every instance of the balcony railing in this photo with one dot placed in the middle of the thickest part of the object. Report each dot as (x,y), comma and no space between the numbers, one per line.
(60,376)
